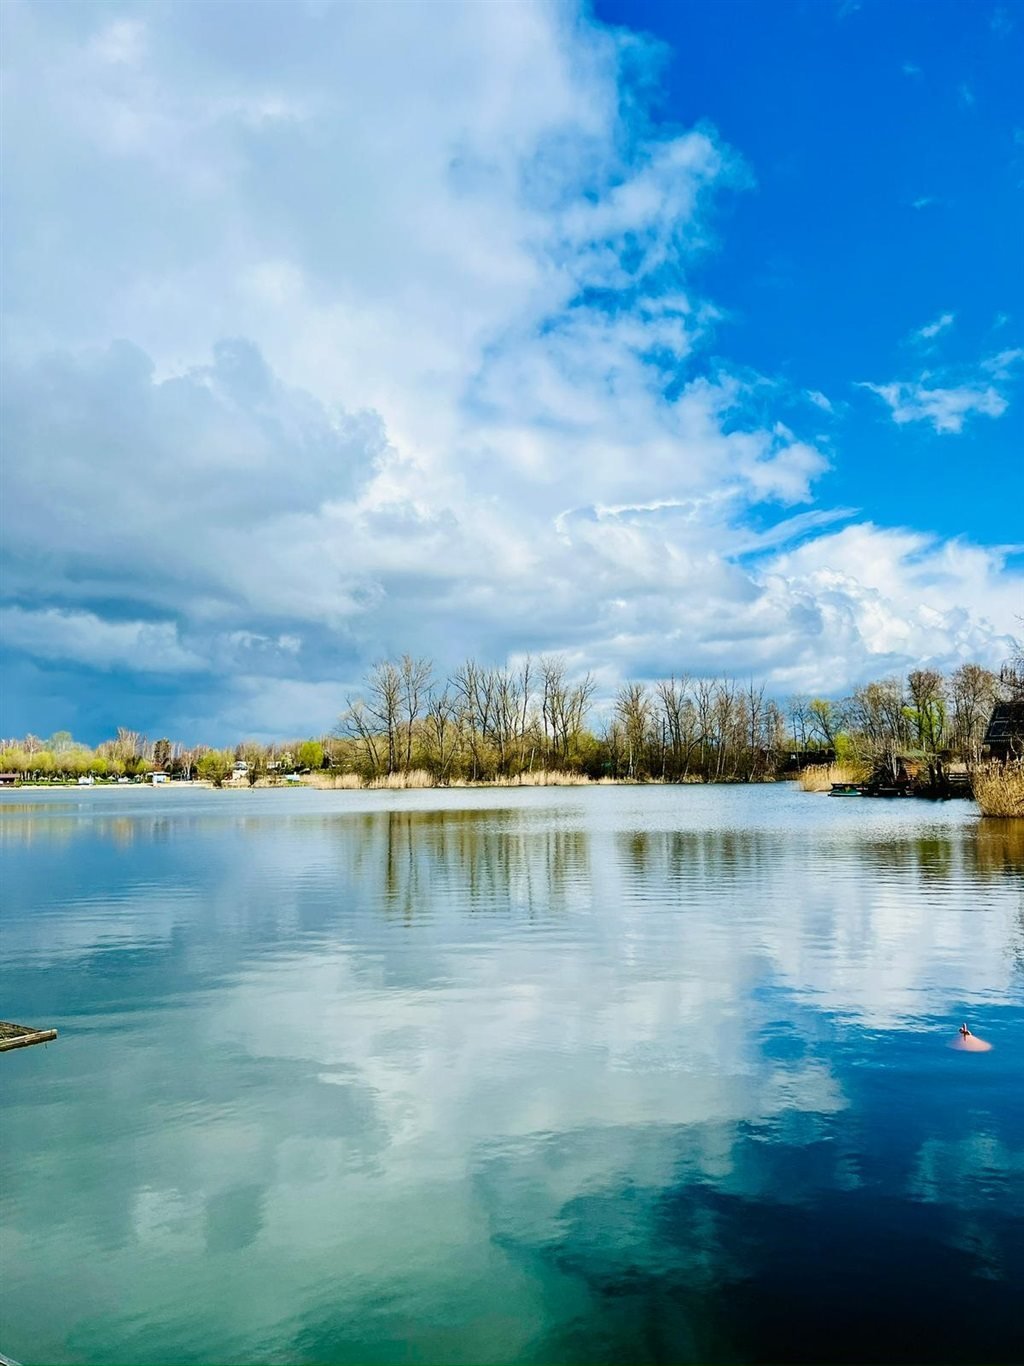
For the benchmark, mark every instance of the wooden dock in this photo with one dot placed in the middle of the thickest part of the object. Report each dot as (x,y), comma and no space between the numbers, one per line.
(22,1036)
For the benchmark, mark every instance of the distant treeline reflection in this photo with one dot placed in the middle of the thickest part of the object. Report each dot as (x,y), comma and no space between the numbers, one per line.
(497,848)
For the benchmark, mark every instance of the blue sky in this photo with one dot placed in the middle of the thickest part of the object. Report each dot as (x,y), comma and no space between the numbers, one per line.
(666,337)
(887,145)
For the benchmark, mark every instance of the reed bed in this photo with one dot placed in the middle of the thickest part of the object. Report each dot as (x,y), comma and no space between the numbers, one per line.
(399,782)
(420,778)
(541,777)
(329,782)
(999,789)
(820,777)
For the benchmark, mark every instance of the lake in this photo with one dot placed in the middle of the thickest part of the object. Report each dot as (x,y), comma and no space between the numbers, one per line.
(540,1075)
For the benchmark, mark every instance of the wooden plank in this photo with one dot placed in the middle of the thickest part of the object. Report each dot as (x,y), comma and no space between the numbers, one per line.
(21,1036)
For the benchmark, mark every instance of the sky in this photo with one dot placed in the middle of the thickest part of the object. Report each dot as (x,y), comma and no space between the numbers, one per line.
(679,338)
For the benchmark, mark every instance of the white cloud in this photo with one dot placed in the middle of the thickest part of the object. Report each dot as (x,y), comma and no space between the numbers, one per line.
(948,398)
(1002,366)
(468,313)
(83,637)
(887,595)
(947,409)
(931,330)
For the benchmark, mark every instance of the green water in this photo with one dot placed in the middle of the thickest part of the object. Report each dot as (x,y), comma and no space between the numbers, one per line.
(623,1075)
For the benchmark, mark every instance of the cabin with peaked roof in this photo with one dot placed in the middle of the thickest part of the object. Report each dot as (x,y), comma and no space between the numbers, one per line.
(1004,738)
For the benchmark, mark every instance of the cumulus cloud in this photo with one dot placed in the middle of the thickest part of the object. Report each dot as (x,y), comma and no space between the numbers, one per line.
(946,408)
(429,373)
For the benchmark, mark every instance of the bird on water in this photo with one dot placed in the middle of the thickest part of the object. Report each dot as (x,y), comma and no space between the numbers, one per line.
(967,1042)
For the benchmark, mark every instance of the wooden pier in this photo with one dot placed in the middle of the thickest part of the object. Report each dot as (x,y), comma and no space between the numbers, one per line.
(22,1036)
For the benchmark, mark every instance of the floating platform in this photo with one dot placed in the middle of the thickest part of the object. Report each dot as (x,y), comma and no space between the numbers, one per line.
(22,1036)
(873,790)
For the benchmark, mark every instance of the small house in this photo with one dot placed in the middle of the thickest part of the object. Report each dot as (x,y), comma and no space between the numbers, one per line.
(159,776)
(1004,738)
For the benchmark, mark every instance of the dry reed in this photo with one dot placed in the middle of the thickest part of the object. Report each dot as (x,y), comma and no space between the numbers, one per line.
(398,782)
(420,778)
(543,777)
(820,777)
(350,782)
(999,789)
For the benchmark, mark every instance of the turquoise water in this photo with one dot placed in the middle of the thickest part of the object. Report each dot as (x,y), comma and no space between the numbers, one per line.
(608,1075)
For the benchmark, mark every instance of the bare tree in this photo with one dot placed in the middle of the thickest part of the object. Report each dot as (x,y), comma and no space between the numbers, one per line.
(564,708)
(357,722)
(635,714)
(757,746)
(799,718)
(879,723)
(972,691)
(704,704)
(415,676)
(724,712)
(672,702)
(474,687)
(384,700)
(443,733)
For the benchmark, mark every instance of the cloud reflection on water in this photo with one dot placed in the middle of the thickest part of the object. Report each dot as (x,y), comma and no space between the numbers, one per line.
(493,1080)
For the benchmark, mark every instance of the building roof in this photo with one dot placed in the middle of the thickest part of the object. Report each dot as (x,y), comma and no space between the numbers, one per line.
(1005,724)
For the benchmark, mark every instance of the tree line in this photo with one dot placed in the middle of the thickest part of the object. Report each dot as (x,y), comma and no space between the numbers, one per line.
(483,723)
(133,756)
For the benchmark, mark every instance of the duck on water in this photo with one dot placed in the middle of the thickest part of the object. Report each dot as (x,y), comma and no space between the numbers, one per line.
(966,1042)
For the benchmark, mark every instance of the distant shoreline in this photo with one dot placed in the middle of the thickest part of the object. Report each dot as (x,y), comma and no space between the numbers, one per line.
(394,784)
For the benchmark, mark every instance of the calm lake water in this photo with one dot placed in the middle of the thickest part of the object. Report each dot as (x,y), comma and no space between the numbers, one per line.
(608,1075)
